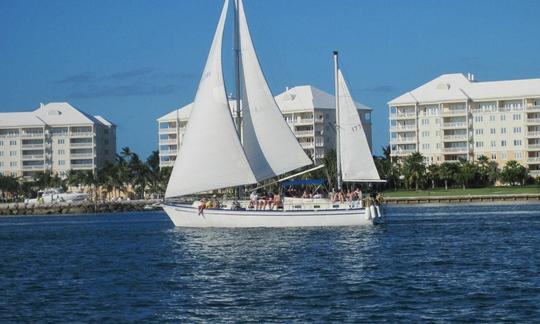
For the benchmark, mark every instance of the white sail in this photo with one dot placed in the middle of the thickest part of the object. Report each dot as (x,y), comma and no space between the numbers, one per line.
(270,145)
(356,160)
(211,155)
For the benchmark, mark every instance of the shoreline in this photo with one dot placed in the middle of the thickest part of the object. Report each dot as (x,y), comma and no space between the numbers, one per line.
(85,207)
(461,199)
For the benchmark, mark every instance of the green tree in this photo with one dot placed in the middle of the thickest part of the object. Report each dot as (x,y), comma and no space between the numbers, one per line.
(447,171)
(513,173)
(432,174)
(413,169)
(467,173)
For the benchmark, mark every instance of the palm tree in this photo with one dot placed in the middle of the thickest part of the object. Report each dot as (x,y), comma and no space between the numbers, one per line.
(447,171)
(413,169)
(468,172)
(513,173)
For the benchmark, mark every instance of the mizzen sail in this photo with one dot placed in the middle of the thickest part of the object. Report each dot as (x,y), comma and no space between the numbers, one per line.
(356,160)
(211,155)
(270,145)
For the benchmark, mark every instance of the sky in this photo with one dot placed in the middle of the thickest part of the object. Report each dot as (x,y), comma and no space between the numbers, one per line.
(134,61)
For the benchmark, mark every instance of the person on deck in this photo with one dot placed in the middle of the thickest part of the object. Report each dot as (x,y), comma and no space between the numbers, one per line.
(202,206)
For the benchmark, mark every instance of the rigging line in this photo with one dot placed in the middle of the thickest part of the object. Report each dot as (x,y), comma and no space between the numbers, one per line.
(289,177)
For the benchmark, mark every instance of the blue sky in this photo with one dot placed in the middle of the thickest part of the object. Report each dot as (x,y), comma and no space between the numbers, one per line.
(133,61)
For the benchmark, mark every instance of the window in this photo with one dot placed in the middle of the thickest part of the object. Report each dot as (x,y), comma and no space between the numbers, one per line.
(12,143)
(13,153)
(517,155)
(503,130)
(491,118)
(13,163)
(61,152)
(61,162)
(503,143)
(493,143)
(517,142)
(425,134)
(517,130)
(492,131)
(425,146)
(479,144)
(437,133)
(1,164)
(478,119)
(516,117)
(1,153)
(503,156)
(61,141)
(1,143)
(425,121)
(479,131)
(503,117)
(437,121)
(493,156)
(438,145)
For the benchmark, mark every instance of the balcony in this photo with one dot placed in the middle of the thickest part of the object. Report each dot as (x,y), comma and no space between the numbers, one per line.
(80,166)
(403,151)
(167,141)
(84,144)
(82,155)
(401,128)
(533,146)
(32,134)
(455,138)
(319,144)
(461,149)
(81,134)
(533,108)
(405,115)
(32,146)
(33,167)
(304,133)
(167,130)
(166,163)
(32,156)
(533,134)
(533,159)
(455,125)
(534,173)
(307,145)
(168,152)
(454,112)
(403,140)
(533,120)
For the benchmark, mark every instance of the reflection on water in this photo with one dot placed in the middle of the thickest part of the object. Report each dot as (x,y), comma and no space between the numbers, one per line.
(458,263)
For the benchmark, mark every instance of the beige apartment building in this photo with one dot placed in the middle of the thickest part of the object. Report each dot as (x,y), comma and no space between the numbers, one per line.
(55,138)
(309,112)
(455,117)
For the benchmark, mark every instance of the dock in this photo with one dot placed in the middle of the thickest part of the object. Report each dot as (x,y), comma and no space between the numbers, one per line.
(461,199)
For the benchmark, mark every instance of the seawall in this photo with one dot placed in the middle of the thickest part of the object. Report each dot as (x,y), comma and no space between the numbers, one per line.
(460,199)
(77,207)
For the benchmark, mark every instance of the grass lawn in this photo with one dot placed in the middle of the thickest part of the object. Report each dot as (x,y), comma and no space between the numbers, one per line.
(464,192)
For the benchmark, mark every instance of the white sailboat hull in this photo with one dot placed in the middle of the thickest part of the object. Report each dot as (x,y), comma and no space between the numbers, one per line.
(188,216)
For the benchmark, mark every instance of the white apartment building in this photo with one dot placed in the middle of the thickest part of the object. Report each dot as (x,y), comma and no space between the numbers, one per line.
(55,138)
(456,117)
(310,113)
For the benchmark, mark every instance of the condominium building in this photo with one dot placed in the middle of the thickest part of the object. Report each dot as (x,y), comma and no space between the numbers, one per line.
(309,112)
(455,117)
(55,138)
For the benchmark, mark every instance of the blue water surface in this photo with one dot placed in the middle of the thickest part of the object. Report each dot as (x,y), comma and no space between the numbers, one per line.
(446,263)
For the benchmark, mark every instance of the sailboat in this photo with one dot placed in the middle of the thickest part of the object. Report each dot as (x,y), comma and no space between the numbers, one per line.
(219,151)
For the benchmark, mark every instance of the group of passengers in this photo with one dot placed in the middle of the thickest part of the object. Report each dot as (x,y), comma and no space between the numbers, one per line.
(263,201)
(351,196)
(209,204)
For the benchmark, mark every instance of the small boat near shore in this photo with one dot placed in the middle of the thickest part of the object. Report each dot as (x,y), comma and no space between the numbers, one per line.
(56,195)
(257,144)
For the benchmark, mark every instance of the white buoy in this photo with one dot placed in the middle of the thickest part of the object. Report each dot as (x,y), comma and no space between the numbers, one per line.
(368,212)
(379,214)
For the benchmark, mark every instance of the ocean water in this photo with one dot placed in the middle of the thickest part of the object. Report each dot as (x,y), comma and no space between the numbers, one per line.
(448,263)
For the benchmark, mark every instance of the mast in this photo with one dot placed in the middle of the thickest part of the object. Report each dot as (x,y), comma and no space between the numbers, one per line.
(238,118)
(338,147)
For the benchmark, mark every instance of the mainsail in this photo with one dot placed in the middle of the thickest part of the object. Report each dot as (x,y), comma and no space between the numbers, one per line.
(356,161)
(270,145)
(211,155)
